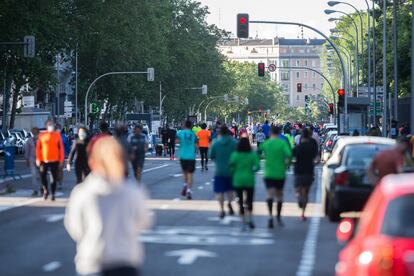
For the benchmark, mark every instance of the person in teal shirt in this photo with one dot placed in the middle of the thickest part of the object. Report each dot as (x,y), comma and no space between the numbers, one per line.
(220,153)
(187,140)
(244,164)
(277,154)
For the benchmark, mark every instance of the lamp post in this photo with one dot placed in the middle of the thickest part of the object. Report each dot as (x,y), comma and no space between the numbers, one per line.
(356,32)
(334,3)
(395,54)
(384,68)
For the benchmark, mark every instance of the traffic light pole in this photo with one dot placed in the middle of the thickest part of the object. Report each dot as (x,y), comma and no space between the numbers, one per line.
(100,77)
(319,73)
(344,74)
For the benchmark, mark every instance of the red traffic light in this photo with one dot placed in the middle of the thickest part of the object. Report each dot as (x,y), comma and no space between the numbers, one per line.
(261,69)
(341,92)
(243,25)
(243,20)
(299,87)
(331,109)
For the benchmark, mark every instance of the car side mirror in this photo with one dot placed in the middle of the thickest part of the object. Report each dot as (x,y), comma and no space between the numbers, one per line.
(345,230)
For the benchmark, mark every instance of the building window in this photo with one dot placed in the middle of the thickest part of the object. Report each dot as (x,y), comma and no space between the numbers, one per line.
(306,63)
(321,85)
(297,75)
(305,74)
(314,86)
(313,74)
(306,86)
(297,63)
(284,76)
(284,63)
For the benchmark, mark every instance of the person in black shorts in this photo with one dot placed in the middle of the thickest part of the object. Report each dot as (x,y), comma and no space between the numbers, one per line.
(164,138)
(138,146)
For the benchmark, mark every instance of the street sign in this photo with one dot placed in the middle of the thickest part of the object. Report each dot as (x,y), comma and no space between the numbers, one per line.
(204,89)
(189,256)
(271,67)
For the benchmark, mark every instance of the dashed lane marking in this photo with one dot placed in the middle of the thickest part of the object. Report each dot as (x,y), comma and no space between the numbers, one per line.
(52,266)
(307,262)
(155,168)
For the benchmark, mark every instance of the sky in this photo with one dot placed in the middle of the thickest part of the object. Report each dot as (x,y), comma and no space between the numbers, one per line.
(310,12)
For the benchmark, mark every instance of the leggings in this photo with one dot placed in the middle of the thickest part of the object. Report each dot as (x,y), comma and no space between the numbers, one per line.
(54,170)
(248,201)
(204,158)
(81,172)
(171,148)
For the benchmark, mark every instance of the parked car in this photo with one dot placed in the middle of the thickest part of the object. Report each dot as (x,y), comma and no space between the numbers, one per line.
(18,141)
(383,244)
(327,145)
(345,185)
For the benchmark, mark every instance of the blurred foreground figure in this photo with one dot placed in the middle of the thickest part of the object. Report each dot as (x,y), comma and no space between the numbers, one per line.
(105,215)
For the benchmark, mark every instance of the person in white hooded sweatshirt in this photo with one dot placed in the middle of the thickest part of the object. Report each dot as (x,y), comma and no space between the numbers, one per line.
(105,215)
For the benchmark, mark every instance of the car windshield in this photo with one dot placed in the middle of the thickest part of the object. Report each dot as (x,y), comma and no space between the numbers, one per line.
(399,218)
(361,155)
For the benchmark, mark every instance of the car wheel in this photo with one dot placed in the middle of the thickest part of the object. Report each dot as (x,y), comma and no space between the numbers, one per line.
(333,213)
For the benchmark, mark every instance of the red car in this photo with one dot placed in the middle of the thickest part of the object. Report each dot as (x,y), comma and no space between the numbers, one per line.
(383,243)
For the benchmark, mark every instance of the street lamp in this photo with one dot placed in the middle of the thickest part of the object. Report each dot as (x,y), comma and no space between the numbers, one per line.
(334,3)
(356,32)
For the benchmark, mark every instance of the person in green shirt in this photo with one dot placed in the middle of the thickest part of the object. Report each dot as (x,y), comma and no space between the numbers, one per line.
(220,153)
(244,164)
(277,154)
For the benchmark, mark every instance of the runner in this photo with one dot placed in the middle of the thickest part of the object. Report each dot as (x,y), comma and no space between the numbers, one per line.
(220,153)
(260,138)
(277,154)
(164,138)
(244,164)
(172,133)
(266,129)
(391,161)
(30,156)
(79,154)
(138,146)
(306,153)
(288,135)
(204,137)
(187,140)
(49,157)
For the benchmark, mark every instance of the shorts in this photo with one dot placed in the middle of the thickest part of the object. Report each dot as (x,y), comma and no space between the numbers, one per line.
(137,163)
(223,184)
(303,180)
(277,184)
(188,166)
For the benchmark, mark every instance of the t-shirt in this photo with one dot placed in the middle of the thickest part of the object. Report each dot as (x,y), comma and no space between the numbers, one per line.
(276,151)
(260,137)
(388,162)
(266,130)
(305,154)
(203,136)
(187,140)
(137,145)
(244,166)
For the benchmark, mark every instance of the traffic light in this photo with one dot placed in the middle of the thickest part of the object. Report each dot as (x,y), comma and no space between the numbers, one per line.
(341,99)
(29,46)
(243,25)
(150,74)
(299,87)
(307,100)
(331,109)
(261,69)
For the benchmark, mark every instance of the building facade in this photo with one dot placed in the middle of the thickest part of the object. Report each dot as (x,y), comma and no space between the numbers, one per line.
(287,55)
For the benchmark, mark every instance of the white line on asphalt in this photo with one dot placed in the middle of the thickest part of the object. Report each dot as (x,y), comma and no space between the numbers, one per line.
(201,188)
(155,168)
(165,206)
(52,266)
(307,262)
(178,175)
(207,183)
(23,176)
(54,217)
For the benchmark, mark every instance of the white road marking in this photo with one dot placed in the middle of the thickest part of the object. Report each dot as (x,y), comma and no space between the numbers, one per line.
(54,217)
(52,266)
(23,176)
(189,256)
(177,199)
(307,262)
(178,175)
(164,206)
(227,220)
(207,183)
(201,188)
(155,168)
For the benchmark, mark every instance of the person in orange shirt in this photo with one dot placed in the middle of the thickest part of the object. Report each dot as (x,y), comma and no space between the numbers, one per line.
(204,137)
(49,156)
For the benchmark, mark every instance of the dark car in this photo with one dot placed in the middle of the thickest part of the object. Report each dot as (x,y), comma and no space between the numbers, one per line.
(348,186)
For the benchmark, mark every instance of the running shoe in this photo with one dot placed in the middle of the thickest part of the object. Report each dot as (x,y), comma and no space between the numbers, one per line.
(189,196)
(184,190)
(251,225)
(45,195)
(231,211)
(206,168)
(270,224)
(303,218)
(53,197)
(222,215)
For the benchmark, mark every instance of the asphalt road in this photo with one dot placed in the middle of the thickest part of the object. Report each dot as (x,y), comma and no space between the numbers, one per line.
(187,238)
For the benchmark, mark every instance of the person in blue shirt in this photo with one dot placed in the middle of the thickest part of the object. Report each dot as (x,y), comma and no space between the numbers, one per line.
(266,129)
(187,141)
